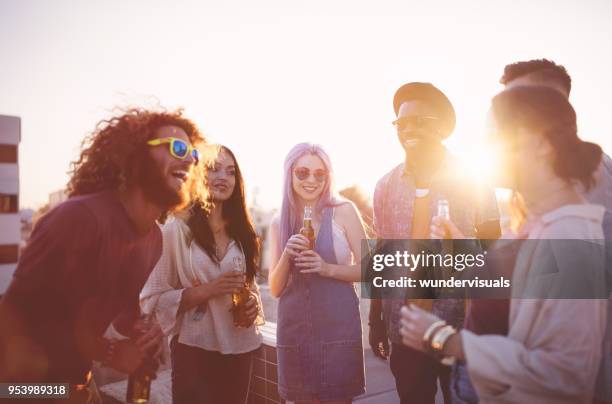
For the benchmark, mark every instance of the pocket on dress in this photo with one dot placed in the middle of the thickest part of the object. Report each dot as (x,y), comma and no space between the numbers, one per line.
(289,366)
(342,363)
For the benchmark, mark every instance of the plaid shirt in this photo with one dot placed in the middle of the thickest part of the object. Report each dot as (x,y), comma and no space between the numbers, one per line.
(470,204)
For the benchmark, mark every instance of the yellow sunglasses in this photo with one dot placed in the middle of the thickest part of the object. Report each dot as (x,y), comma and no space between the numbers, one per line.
(178,148)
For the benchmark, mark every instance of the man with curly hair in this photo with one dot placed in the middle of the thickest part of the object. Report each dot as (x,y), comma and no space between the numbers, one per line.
(537,72)
(88,258)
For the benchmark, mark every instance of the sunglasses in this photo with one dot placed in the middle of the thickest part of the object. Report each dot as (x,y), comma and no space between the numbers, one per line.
(178,148)
(302,173)
(404,122)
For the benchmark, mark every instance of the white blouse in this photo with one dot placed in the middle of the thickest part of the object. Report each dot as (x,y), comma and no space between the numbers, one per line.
(183,264)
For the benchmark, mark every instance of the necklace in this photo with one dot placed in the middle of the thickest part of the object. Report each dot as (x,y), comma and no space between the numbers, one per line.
(221,250)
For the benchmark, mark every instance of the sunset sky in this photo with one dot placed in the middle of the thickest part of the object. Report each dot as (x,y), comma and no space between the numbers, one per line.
(262,76)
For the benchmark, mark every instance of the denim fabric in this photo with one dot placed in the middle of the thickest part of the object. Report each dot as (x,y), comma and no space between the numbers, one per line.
(461,387)
(320,355)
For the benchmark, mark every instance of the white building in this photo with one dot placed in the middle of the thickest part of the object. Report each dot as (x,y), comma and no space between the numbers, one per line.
(10,224)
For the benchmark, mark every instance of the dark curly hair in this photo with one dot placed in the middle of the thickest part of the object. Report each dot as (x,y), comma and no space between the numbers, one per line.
(113,156)
(540,69)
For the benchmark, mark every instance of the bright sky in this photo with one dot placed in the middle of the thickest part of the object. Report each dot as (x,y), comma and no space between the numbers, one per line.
(261,76)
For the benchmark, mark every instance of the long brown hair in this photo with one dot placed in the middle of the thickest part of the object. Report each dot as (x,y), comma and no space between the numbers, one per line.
(240,226)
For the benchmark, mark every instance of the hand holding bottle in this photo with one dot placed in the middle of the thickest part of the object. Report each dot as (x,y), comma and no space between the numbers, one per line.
(226,283)
(441,225)
(296,244)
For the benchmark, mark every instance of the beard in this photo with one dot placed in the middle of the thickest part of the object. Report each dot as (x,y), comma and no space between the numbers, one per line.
(155,187)
(424,158)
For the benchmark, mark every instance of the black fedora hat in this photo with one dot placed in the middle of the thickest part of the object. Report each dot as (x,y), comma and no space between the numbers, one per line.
(428,93)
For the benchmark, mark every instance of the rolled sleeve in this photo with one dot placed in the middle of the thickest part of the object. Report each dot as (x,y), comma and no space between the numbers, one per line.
(162,293)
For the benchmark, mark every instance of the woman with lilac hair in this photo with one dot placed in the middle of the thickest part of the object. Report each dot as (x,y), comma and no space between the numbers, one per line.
(320,355)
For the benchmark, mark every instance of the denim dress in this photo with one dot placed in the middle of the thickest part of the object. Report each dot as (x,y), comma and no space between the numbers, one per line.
(320,354)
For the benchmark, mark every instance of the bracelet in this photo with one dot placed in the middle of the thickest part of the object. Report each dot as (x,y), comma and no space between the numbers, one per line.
(440,337)
(428,334)
(447,360)
(110,352)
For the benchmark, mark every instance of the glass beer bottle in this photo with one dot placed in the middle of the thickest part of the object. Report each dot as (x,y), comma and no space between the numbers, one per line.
(307,230)
(445,244)
(139,382)
(443,211)
(240,298)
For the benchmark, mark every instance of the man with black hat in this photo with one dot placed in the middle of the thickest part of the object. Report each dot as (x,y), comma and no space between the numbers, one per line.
(403,202)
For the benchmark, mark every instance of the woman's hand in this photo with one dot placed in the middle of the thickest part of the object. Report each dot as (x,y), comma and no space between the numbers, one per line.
(251,309)
(309,262)
(226,283)
(413,324)
(296,244)
(442,228)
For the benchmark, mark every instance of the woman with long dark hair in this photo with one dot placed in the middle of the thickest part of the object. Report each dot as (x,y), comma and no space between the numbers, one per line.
(208,256)
(320,354)
(552,348)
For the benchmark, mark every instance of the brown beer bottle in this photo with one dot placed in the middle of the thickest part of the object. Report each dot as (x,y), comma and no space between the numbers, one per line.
(240,297)
(139,382)
(307,230)
(139,388)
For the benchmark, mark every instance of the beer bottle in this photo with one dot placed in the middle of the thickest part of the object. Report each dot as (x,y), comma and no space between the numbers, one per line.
(139,382)
(446,244)
(307,230)
(139,388)
(443,210)
(240,297)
